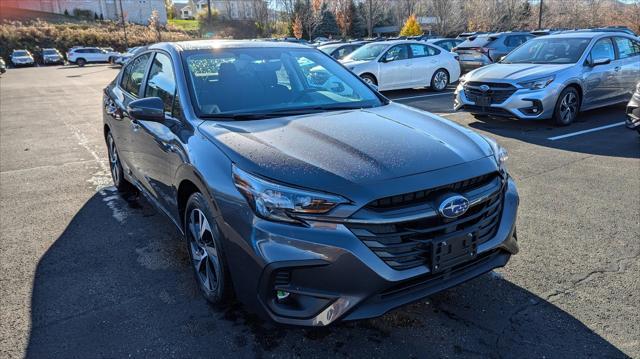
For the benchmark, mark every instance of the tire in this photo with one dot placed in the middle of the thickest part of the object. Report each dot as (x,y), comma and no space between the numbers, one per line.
(117,173)
(369,79)
(440,80)
(206,252)
(81,62)
(567,107)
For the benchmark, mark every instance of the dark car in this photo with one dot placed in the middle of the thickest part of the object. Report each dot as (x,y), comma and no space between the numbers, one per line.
(480,50)
(3,66)
(309,204)
(340,50)
(633,110)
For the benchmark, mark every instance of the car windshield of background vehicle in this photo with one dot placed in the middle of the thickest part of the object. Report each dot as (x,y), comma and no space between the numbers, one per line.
(328,49)
(50,52)
(264,81)
(548,51)
(367,52)
(20,53)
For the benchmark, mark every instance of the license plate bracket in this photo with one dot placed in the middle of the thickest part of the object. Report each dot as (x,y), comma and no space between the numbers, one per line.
(449,252)
(483,101)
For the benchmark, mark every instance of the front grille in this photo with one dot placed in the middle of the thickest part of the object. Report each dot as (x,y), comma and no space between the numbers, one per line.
(398,201)
(405,245)
(498,92)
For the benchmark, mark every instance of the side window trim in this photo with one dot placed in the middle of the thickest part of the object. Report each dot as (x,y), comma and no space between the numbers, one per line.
(175,81)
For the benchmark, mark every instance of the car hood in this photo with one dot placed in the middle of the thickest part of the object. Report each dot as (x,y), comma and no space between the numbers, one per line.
(349,63)
(332,150)
(517,72)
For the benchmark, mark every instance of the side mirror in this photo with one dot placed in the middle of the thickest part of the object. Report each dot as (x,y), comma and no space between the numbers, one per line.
(600,61)
(147,109)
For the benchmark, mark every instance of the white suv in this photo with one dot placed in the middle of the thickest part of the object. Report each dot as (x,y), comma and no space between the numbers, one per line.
(83,55)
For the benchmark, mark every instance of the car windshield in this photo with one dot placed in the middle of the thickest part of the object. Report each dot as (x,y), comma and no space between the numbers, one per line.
(560,50)
(367,52)
(260,81)
(327,49)
(20,53)
(49,52)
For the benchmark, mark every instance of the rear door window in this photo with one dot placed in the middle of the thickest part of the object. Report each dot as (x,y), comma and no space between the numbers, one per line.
(515,40)
(134,74)
(161,81)
(627,47)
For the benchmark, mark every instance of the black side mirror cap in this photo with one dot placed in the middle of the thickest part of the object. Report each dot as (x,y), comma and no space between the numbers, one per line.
(147,109)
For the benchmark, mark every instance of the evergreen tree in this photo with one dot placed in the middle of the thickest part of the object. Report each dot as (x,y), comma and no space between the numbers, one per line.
(359,25)
(328,25)
(411,27)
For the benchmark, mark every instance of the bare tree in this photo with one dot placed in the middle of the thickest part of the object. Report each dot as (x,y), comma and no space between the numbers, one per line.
(449,14)
(373,11)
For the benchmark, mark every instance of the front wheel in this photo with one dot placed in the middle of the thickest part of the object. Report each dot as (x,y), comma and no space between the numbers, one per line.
(369,79)
(567,106)
(81,62)
(204,244)
(439,80)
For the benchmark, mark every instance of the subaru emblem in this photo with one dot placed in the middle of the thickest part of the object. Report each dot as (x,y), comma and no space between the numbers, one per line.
(453,206)
(484,88)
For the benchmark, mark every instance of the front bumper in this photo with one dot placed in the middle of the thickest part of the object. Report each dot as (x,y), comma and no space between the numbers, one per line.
(335,276)
(518,105)
(633,112)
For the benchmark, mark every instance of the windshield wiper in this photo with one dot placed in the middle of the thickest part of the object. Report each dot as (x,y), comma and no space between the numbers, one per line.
(280,113)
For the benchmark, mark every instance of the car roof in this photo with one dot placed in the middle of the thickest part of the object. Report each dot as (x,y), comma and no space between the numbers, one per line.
(584,34)
(215,44)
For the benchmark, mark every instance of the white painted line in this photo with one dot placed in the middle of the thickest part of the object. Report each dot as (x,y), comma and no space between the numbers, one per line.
(429,95)
(586,131)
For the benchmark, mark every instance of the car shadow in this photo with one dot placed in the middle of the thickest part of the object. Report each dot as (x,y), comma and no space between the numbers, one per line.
(614,142)
(117,282)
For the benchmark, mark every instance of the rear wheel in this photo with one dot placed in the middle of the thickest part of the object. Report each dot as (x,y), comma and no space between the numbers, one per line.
(567,106)
(439,80)
(204,244)
(117,173)
(81,62)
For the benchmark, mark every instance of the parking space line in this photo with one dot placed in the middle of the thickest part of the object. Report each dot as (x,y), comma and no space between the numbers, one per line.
(419,96)
(586,131)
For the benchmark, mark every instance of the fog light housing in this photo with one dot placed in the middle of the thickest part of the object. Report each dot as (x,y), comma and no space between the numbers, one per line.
(533,110)
(282,295)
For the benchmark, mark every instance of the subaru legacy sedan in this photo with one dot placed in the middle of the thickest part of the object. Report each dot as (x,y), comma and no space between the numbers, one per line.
(308,204)
(403,64)
(555,77)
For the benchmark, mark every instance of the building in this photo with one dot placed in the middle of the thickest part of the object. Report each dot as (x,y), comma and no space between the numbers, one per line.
(136,11)
(228,9)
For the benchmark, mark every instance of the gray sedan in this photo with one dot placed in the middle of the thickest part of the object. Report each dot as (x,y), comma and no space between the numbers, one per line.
(554,77)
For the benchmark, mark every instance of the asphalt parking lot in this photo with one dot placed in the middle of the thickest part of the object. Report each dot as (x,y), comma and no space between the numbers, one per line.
(85,273)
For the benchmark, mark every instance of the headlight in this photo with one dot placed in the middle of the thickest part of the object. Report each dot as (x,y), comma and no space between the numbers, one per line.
(537,83)
(281,203)
(462,79)
(499,154)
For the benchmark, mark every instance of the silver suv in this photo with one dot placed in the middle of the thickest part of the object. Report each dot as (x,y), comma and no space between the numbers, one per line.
(554,77)
(484,49)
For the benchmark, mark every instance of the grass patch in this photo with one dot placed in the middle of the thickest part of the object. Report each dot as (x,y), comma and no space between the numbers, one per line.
(185,25)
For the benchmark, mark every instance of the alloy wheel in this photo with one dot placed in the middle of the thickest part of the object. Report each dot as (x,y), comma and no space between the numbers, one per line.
(568,107)
(114,161)
(440,80)
(204,255)
(368,80)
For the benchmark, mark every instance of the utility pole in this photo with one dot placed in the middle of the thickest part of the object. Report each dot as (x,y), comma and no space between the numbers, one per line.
(209,14)
(124,26)
(370,19)
(540,16)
